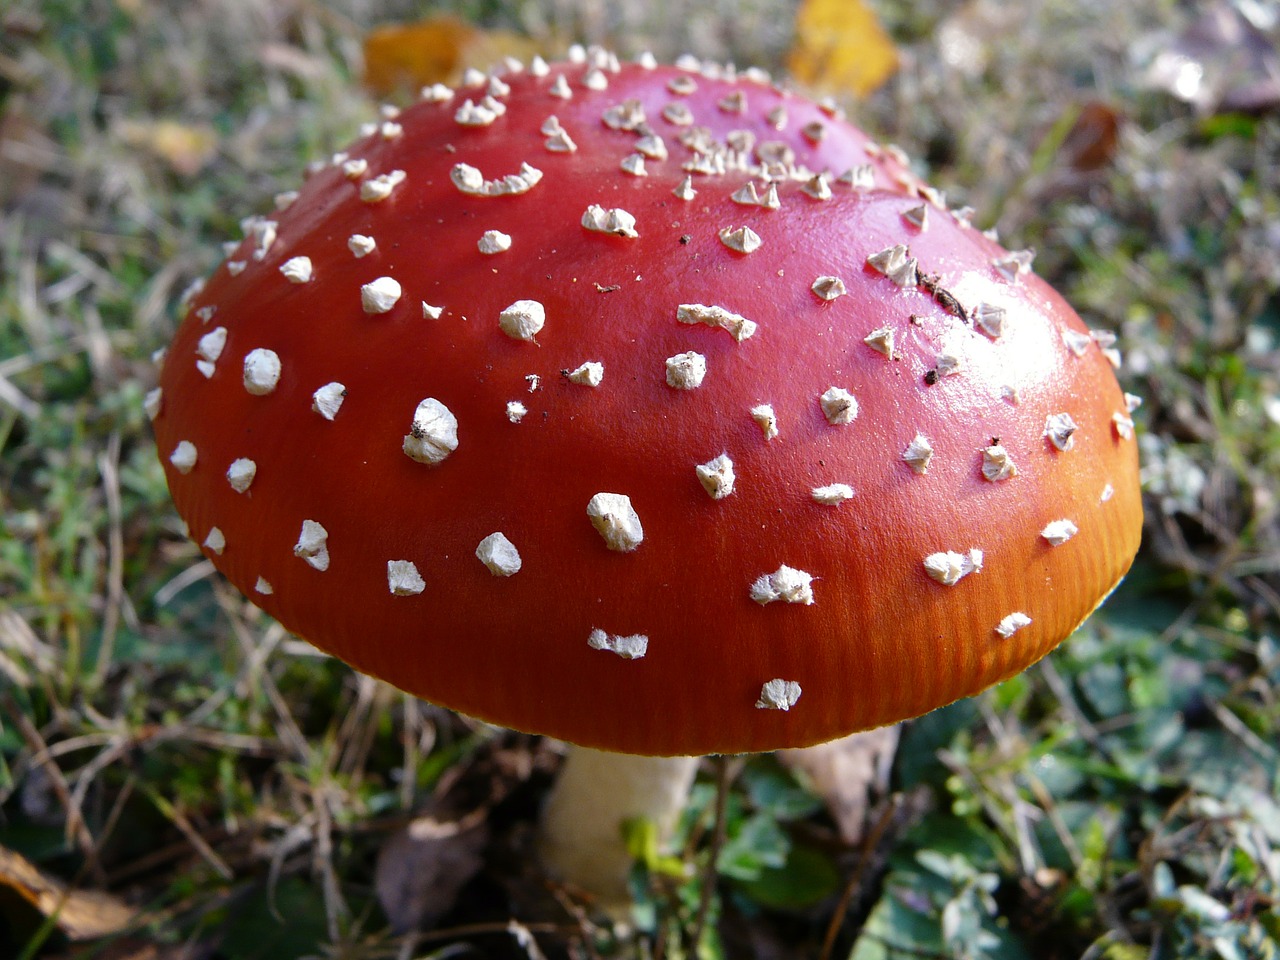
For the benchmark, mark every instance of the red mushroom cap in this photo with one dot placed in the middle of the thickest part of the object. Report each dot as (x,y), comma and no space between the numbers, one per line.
(663,443)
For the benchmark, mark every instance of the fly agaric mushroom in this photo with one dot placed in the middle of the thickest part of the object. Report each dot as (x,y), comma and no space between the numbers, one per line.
(650,408)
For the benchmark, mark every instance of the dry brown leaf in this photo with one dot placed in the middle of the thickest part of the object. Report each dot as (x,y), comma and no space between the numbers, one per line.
(847,773)
(422,868)
(436,50)
(1091,142)
(78,914)
(840,47)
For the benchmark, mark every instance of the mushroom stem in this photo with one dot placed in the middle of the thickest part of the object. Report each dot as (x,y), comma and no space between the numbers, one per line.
(596,792)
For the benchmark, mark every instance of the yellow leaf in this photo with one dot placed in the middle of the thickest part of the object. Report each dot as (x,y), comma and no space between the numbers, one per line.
(841,47)
(436,50)
(186,148)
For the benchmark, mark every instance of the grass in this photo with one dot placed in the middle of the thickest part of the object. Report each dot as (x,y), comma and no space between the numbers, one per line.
(162,740)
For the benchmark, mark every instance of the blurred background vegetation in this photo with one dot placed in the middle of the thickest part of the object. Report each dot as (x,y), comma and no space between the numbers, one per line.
(181,779)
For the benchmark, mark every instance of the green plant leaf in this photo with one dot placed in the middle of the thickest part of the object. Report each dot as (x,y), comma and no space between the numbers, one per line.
(774,790)
(757,844)
(808,877)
